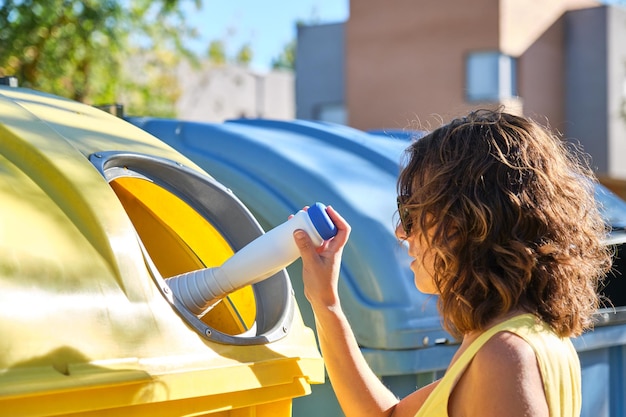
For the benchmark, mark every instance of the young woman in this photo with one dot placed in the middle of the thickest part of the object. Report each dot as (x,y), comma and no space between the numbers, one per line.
(500,218)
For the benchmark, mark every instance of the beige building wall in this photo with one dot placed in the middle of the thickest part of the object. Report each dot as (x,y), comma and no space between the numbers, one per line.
(213,93)
(405,61)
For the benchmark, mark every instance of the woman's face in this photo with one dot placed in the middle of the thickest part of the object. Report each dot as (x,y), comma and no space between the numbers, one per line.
(423,260)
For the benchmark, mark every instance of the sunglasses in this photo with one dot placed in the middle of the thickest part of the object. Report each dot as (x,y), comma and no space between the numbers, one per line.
(406,221)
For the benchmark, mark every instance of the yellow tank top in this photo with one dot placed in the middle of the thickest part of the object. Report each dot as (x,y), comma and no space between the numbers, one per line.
(556,356)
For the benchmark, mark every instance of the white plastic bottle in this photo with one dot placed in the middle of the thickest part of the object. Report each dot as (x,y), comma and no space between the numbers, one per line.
(263,257)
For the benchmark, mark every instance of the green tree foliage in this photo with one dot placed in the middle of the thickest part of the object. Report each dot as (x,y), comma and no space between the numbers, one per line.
(217,52)
(217,55)
(96,51)
(244,56)
(287,58)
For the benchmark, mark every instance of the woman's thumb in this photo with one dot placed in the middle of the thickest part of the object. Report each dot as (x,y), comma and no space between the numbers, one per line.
(303,242)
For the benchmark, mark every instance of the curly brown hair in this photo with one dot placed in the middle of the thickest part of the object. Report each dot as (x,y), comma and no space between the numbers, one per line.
(508,210)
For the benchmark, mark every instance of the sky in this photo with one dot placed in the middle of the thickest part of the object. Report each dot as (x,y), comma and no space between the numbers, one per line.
(267,25)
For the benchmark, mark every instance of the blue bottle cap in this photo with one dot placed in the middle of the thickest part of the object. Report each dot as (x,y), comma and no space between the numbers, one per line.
(324,226)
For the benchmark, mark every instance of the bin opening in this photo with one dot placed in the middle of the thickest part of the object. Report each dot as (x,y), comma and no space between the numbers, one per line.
(179,240)
(186,221)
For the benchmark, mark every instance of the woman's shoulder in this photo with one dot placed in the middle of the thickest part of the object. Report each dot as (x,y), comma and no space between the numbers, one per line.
(504,352)
(503,378)
(508,357)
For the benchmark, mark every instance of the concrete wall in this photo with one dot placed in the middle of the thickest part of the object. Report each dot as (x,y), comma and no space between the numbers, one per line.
(616,26)
(523,23)
(540,76)
(216,93)
(586,83)
(320,68)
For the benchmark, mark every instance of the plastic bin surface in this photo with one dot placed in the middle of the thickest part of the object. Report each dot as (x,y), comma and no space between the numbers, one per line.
(278,167)
(85,330)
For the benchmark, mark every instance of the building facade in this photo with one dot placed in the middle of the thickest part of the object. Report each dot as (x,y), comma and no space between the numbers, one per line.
(417,64)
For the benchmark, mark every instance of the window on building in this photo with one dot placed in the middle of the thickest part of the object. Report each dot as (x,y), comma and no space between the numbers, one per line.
(491,76)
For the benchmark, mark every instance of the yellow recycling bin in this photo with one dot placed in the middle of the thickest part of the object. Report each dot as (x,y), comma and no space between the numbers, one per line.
(95,214)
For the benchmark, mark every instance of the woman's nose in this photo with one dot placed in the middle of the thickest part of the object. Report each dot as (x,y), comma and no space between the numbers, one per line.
(400,234)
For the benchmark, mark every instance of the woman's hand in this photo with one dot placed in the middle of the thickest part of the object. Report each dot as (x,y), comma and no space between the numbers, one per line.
(321,265)
(359,391)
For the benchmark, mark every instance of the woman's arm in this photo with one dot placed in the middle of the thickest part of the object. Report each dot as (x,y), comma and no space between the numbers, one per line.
(359,391)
